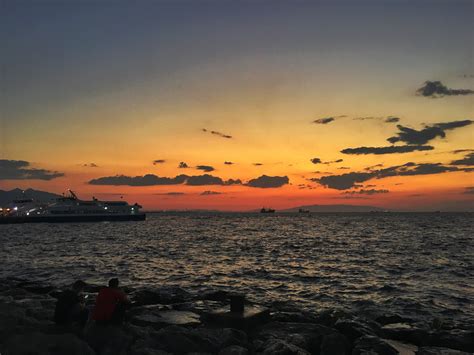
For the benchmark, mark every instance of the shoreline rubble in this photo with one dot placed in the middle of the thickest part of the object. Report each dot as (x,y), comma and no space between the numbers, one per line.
(170,320)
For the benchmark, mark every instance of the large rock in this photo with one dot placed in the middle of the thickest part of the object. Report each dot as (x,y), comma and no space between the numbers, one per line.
(148,351)
(14,320)
(280,347)
(335,344)
(159,319)
(46,344)
(454,339)
(251,317)
(392,318)
(234,350)
(329,317)
(181,340)
(369,344)
(107,340)
(354,329)
(440,351)
(402,348)
(306,336)
(294,317)
(408,333)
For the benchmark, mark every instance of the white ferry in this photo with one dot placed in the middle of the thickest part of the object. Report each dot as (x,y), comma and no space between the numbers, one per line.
(70,209)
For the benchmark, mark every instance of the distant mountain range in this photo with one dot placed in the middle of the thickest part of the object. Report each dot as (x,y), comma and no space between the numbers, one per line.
(16,194)
(335,208)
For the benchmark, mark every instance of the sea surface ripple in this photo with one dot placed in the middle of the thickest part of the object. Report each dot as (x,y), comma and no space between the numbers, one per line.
(418,265)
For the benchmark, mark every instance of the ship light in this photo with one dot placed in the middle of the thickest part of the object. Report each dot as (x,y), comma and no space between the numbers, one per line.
(15,208)
(105,207)
(27,213)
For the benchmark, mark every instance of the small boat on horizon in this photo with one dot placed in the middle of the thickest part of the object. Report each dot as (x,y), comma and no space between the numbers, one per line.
(267,210)
(69,209)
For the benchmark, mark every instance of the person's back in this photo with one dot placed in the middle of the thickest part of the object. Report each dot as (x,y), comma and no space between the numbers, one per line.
(70,306)
(110,304)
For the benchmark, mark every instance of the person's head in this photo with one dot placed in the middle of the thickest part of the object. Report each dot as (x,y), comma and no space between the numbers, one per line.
(78,286)
(114,283)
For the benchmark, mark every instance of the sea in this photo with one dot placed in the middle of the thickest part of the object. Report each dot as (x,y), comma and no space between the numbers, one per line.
(417,265)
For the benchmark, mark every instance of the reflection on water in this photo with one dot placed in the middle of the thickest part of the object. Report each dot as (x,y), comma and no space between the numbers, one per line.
(415,264)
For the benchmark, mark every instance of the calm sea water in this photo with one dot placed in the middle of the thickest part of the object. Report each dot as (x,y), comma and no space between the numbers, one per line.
(419,265)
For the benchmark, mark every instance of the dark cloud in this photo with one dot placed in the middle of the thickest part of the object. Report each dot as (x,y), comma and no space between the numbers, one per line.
(423,136)
(217,133)
(366,192)
(386,150)
(344,181)
(90,165)
(206,168)
(467,160)
(183,165)
(233,182)
(21,170)
(257,164)
(206,179)
(146,180)
(436,89)
(228,163)
(324,120)
(469,190)
(343,168)
(392,119)
(369,168)
(351,180)
(319,161)
(207,193)
(265,181)
(350,197)
(158,161)
(151,180)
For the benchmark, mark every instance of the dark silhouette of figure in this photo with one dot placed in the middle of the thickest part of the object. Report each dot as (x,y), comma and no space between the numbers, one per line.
(111,304)
(70,307)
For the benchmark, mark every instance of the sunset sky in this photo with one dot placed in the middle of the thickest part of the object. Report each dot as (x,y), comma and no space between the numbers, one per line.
(235,105)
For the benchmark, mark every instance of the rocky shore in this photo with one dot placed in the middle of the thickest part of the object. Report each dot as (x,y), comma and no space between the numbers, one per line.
(170,320)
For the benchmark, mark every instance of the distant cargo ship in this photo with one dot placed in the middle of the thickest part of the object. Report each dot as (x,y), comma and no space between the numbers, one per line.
(267,210)
(69,209)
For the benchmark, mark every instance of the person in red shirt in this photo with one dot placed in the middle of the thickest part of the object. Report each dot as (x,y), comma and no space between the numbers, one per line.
(110,304)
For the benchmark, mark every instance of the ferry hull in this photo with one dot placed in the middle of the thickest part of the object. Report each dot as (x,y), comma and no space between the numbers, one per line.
(72,219)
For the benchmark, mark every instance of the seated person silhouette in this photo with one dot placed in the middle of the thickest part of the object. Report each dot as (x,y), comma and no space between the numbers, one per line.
(110,304)
(70,307)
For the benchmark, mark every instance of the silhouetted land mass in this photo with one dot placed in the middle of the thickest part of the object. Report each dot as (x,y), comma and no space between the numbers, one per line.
(17,194)
(171,320)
